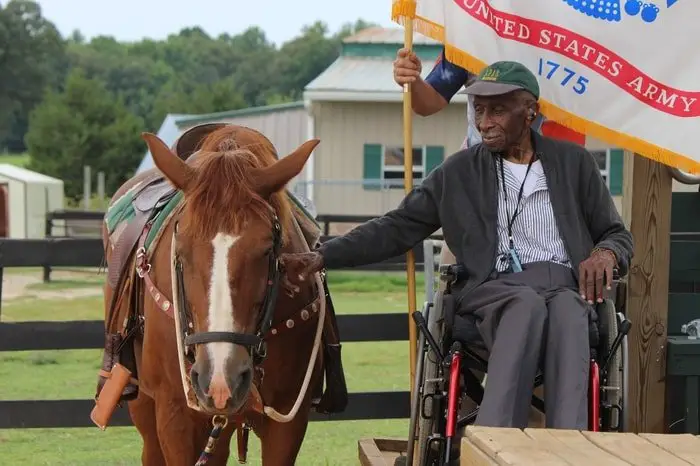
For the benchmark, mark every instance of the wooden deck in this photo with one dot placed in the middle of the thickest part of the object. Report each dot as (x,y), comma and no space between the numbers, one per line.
(483,446)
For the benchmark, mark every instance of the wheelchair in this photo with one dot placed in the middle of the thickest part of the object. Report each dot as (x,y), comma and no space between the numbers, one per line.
(447,372)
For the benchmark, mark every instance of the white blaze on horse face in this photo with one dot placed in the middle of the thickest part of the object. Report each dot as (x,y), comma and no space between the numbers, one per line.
(220,302)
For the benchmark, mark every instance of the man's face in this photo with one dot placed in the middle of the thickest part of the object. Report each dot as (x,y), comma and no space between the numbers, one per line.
(501,119)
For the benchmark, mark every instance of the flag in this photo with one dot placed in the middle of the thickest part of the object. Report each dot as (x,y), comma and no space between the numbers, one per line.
(623,71)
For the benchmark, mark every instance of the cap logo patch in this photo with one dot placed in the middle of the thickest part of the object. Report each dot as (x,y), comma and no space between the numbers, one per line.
(490,75)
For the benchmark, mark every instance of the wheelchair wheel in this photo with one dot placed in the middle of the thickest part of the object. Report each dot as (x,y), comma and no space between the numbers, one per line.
(426,420)
(612,395)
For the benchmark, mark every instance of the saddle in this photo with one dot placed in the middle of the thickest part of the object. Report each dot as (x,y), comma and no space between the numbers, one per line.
(152,198)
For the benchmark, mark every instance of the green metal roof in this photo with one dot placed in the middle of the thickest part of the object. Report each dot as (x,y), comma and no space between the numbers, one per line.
(385,42)
(239,113)
(364,70)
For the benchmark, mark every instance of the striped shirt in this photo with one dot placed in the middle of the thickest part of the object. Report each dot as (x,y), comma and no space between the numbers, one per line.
(535,233)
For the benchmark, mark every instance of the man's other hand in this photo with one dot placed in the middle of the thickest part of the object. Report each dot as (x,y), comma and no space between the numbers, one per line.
(298,268)
(407,67)
(595,273)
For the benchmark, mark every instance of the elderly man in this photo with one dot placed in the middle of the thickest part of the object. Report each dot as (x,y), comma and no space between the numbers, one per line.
(535,226)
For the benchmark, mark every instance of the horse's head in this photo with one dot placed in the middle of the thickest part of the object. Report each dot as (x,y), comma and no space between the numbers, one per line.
(228,234)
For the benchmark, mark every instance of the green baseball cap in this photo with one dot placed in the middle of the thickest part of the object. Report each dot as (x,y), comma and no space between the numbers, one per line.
(503,77)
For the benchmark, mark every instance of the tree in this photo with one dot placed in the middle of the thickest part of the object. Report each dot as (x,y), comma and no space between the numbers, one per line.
(84,125)
(32,58)
(300,60)
(189,72)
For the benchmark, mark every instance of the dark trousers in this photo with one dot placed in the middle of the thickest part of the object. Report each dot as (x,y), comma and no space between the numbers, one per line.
(533,320)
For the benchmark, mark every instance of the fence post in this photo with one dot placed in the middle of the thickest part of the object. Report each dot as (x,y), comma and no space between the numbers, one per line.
(101,186)
(2,269)
(87,187)
(48,232)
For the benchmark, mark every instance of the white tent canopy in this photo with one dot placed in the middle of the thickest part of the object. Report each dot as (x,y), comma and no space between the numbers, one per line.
(28,197)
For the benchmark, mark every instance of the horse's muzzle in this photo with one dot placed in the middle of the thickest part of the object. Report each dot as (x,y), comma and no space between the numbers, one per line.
(222,392)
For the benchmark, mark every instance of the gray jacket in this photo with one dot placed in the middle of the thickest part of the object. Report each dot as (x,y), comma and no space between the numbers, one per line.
(461,197)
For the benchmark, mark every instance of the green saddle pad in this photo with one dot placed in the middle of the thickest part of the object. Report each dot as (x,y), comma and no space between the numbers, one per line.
(123,211)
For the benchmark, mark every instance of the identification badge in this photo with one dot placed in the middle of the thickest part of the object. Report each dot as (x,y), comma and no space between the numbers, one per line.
(515,264)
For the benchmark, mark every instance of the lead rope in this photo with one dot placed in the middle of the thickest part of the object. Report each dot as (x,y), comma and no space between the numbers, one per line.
(269,410)
(219,423)
(272,412)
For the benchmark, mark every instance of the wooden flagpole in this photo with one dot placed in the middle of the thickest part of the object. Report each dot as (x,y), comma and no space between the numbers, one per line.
(408,186)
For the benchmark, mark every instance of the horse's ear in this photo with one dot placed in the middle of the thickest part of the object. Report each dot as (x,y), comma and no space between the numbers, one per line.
(173,167)
(275,177)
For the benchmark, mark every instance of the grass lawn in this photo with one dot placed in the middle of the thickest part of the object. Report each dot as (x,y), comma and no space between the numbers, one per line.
(21,160)
(72,374)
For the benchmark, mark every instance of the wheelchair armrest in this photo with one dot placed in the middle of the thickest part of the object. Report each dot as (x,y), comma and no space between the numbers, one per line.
(453,273)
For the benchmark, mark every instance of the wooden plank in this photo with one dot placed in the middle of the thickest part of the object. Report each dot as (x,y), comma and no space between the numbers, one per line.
(89,334)
(508,447)
(28,414)
(685,261)
(392,449)
(369,453)
(380,451)
(684,446)
(488,446)
(682,308)
(684,209)
(647,211)
(472,455)
(574,447)
(395,445)
(633,449)
(58,252)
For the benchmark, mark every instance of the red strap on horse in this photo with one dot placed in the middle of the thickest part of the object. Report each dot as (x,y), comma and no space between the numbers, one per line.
(143,267)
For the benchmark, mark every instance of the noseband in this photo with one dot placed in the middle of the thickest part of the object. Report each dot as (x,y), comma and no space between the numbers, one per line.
(253,342)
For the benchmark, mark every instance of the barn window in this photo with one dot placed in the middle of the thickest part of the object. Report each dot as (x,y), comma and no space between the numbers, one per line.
(383,164)
(393,169)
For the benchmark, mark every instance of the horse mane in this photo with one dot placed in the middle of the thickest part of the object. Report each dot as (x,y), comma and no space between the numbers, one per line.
(222,196)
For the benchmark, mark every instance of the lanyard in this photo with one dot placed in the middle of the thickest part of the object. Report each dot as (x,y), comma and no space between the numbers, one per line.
(511,219)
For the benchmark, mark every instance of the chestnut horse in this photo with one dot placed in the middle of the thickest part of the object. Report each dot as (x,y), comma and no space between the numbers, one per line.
(227,350)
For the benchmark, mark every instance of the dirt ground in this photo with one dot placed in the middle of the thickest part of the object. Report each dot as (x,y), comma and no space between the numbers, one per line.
(20,285)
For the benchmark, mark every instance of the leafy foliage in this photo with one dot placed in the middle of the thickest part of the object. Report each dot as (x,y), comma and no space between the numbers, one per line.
(70,102)
(84,125)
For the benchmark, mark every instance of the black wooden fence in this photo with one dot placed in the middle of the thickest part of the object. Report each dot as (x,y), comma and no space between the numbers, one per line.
(74,223)
(78,252)
(65,223)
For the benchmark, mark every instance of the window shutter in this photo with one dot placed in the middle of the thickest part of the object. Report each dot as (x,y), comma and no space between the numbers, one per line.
(615,175)
(372,167)
(434,156)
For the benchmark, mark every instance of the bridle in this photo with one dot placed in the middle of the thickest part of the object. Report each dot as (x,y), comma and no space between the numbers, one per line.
(255,342)
(186,337)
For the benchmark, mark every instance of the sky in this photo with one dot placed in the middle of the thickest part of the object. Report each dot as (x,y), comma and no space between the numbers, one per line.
(131,20)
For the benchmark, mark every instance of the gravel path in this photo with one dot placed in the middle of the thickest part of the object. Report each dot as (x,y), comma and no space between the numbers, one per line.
(18,286)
